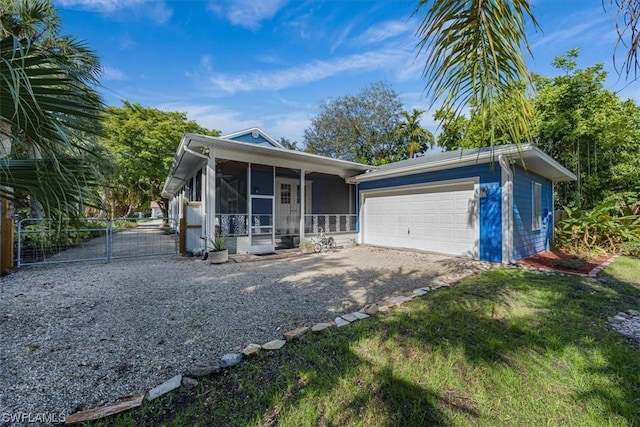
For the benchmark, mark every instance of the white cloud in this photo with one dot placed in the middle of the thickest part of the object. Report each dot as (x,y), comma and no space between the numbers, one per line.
(287,125)
(213,116)
(386,30)
(228,83)
(290,126)
(341,37)
(124,41)
(101,5)
(247,13)
(110,73)
(576,29)
(155,9)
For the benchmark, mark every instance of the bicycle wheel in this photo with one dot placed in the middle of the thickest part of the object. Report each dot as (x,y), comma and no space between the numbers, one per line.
(331,244)
(317,248)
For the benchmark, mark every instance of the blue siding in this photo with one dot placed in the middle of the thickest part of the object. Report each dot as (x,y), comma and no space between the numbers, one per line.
(526,241)
(491,223)
(248,137)
(490,217)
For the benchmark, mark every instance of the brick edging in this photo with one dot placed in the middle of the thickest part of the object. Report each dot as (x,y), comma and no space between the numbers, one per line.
(596,270)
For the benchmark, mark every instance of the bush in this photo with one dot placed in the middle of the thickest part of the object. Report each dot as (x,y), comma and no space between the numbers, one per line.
(631,249)
(610,226)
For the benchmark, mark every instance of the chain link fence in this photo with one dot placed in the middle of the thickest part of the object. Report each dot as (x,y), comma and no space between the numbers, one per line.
(42,241)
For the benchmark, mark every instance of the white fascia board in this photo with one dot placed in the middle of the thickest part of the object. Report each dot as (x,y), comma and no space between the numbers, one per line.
(171,175)
(568,175)
(470,159)
(459,161)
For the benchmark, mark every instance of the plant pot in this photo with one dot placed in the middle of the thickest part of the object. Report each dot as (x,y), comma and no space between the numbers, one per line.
(306,250)
(218,257)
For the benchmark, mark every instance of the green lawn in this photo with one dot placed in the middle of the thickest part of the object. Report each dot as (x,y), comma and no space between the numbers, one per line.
(503,348)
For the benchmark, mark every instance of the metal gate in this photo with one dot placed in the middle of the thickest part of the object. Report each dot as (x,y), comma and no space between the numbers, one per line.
(41,241)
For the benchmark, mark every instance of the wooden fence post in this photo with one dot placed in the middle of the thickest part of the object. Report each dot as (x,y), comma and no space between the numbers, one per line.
(6,238)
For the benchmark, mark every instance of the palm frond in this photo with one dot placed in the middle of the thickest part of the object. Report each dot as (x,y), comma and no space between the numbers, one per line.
(475,55)
(626,15)
(49,180)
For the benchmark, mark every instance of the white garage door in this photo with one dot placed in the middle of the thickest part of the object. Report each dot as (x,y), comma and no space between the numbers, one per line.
(441,218)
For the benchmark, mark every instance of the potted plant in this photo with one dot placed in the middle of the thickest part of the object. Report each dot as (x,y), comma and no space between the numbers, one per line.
(306,246)
(218,254)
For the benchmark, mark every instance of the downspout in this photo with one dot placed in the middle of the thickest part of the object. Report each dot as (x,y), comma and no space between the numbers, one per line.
(205,184)
(507,210)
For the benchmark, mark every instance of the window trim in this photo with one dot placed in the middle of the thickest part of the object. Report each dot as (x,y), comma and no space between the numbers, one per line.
(536,206)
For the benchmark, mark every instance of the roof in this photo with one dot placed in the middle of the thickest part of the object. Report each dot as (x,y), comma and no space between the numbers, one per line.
(195,150)
(532,158)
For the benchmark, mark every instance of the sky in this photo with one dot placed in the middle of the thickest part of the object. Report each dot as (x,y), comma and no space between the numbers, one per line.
(235,64)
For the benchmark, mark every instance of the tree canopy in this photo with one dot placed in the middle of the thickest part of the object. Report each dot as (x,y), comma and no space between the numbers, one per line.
(359,128)
(578,122)
(142,142)
(412,139)
(589,129)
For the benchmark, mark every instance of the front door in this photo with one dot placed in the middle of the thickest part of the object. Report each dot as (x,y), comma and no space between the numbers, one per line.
(288,204)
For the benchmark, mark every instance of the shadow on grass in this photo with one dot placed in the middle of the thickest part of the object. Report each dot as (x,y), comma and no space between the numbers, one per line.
(429,363)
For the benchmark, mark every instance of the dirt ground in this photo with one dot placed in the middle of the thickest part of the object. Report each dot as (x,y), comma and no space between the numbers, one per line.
(562,261)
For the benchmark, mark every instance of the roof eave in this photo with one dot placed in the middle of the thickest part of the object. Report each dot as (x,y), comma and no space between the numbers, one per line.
(252,153)
(556,172)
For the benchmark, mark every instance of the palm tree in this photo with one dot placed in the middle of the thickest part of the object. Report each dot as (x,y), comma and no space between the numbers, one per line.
(414,139)
(48,107)
(475,55)
(627,20)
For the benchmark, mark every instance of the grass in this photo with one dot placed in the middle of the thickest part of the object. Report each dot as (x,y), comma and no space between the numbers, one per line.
(506,347)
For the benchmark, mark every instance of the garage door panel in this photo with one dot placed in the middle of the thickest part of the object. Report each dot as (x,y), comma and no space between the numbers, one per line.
(440,219)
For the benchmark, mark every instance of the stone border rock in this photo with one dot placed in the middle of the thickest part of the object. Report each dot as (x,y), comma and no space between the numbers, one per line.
(598,269)
(627,323)
(203,369)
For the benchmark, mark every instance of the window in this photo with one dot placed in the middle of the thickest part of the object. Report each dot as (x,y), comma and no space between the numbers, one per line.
(536,207)
(285,194)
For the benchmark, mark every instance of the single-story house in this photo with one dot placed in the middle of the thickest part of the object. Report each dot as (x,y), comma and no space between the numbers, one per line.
(492,204)
(156,210)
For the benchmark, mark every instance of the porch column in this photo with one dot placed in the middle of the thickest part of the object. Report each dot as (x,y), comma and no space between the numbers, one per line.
(210,198)
(303,208)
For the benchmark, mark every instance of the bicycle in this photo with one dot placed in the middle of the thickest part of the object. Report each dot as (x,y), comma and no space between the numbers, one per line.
(323,243)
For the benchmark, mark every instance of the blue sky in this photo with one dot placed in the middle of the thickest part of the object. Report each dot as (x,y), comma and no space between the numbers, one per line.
(234,64)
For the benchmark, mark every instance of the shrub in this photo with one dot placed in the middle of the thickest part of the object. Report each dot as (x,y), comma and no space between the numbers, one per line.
(631,248)
(218,243)
(608,226)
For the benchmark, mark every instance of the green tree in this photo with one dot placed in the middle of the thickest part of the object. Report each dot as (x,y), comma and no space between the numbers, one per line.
(48,107)
(287,143)
(588,129)
(458,131)
(411,137)
(359,127)
(475,56)
(143,142)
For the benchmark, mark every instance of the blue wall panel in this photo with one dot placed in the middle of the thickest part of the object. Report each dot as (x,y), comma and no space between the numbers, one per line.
(490,216)
(527,241)
(247,137)
(491,223)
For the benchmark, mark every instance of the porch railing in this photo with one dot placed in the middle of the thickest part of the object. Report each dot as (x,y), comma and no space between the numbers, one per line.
(330,223)
(237,224)
(232,224)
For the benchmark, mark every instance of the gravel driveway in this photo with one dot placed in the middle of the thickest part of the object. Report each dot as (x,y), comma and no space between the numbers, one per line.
(75,336)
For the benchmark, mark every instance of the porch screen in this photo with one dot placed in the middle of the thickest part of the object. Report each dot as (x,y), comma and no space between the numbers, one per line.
(262,180)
